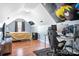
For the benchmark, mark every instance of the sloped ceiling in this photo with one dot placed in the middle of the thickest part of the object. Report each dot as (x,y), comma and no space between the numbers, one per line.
(29,11)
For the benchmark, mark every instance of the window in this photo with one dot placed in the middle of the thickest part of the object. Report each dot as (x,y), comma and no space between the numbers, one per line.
(19,26)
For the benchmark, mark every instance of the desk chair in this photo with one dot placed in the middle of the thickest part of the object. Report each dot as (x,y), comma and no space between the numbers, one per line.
(54,44)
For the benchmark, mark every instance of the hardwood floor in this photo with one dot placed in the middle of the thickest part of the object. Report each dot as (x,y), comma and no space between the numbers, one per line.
(26,48)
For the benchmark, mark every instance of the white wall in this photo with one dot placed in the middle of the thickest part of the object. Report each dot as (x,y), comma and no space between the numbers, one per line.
(42,32)
(11,26)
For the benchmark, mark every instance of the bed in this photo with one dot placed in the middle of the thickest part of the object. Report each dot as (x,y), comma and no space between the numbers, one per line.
(21,36)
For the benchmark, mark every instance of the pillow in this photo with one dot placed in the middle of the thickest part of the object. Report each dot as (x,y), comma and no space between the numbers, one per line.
(60,44)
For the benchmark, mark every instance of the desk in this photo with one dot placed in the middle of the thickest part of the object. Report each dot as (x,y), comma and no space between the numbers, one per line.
(71,45)
(61,38)
(74,46)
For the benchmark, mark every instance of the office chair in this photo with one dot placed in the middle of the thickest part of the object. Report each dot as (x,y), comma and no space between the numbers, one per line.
(58,46)
(54,44)
(50,41)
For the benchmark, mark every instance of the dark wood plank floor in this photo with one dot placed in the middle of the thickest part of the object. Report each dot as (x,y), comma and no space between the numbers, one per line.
(26,48)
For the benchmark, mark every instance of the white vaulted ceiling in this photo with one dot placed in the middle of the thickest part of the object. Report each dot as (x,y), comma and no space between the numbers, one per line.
(28,11)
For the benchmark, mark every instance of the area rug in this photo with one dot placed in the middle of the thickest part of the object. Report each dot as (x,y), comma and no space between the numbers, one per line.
(43,52)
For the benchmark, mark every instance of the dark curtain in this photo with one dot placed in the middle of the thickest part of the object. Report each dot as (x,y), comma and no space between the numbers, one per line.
(3,30)
(23,26)
(16,29)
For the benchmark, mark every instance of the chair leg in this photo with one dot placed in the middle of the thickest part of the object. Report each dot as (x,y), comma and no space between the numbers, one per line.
(54,52)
